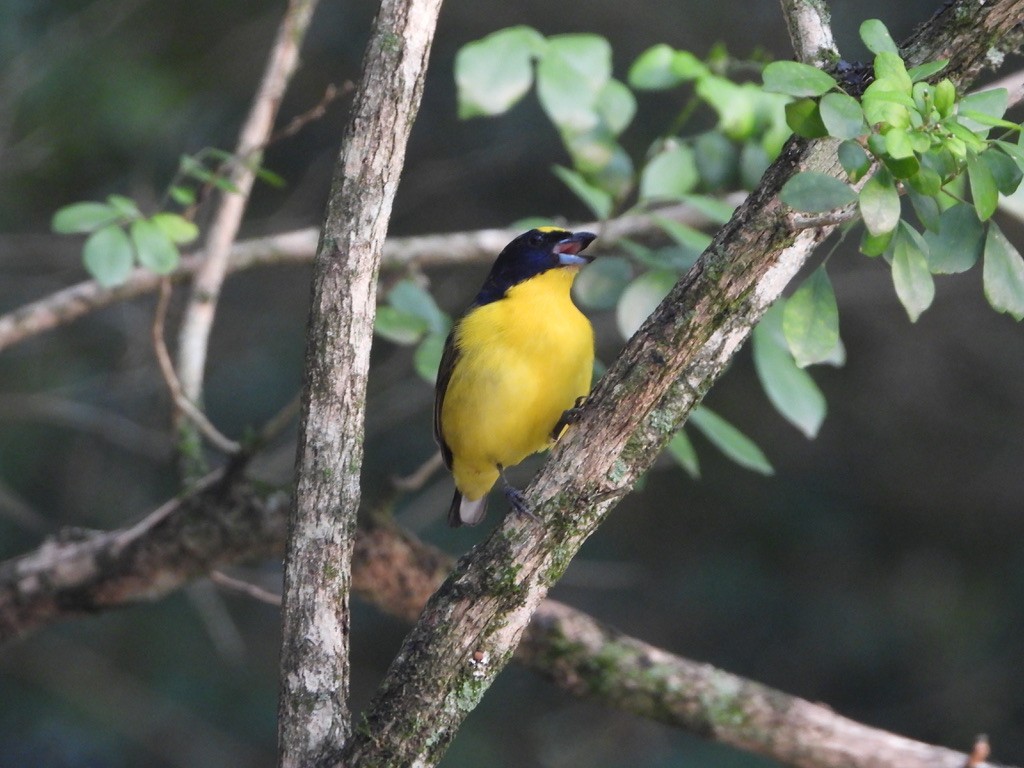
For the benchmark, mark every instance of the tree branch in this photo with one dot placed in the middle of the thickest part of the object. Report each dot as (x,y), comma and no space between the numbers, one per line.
(194,336)
(485,605)
(298,247)
(810,31)
(396,572)
(313,716)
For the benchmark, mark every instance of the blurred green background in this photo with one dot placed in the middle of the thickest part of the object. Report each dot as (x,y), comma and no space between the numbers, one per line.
(881,570)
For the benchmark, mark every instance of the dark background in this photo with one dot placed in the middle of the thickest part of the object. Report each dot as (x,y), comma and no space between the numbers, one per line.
(879,571)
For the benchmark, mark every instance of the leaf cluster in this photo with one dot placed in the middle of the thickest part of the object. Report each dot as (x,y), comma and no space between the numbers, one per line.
(909,139)
(121,237)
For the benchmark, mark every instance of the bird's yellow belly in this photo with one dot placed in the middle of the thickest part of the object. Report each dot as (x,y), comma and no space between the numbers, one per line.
(515,377)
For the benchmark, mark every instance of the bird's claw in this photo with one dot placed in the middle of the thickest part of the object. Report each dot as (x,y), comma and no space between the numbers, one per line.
(569,417)
(517,500)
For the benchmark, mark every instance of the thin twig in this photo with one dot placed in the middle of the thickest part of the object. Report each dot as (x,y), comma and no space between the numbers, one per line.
(202,306)
(316,112)
(246,588)
(420,475)
(181,402)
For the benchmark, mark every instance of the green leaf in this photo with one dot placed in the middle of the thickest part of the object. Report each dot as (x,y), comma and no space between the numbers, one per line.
(730,441)
(692,240)
(754,161)
(398,326)
(796,79)
(815,192)
(884,105)
(716,159)
(926,181)
(640,299)
(270,178)
(889,67)
(1003,274)
(600,285)
(898,145)
(182,195)
(926,70)
(1005,171)
(82,217)
(654,69)
(991,104)
(495,72)
(616,105)
(910,275)
(875,245)
(958,243)
(842,116)
(687,66)
(571,74)
(718,211)
(927,210)
(945,97)
(736,105)
(804,119)
(810,320)
(179,229)
(409,297)
(790,389)
(877,38)
(669,174)
(681,449)
(108,256)
(153,247)
(854,159)
(427,357)
(595,198)
(983,187)
(880,203)
(189,166)
(125,207)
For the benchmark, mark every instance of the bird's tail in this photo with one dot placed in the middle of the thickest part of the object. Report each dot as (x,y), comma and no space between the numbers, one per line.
(464,511)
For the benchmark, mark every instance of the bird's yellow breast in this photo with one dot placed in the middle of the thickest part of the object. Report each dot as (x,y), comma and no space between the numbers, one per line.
(523,360)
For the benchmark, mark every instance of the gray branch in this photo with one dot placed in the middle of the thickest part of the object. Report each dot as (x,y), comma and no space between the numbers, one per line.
(485,605)
(313,714)
(226,521)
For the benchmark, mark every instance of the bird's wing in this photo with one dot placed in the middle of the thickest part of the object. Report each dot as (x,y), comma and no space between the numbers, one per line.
(444,374)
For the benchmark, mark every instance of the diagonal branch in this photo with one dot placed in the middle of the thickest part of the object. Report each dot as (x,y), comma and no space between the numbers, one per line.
(194,336)
(675,357)
(396,572)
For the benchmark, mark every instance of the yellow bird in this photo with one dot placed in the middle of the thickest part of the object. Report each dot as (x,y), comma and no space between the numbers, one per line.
(513,367)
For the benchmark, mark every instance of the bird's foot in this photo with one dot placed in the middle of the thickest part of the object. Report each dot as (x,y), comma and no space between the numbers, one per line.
(568,417)
(516,498)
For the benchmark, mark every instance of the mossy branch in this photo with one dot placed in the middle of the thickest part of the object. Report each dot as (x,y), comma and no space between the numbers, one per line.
(675,357)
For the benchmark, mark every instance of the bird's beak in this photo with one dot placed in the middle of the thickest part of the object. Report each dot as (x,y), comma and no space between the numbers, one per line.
(569,250)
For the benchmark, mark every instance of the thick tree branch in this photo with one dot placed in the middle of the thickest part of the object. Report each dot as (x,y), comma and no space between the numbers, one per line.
(810,31)
(666,368)
(299,247)
(194,336)
(313,716)
(397,572)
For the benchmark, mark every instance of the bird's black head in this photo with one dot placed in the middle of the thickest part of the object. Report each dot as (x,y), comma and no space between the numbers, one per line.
(531,254)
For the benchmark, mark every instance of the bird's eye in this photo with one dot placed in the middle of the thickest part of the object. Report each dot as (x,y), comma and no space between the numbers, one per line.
(536,239)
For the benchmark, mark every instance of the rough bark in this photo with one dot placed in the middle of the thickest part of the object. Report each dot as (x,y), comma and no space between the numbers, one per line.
(396,572)
(313,716)
(81,572)
(483,608)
